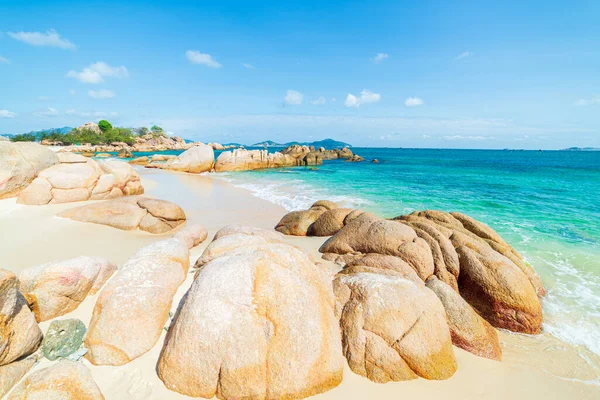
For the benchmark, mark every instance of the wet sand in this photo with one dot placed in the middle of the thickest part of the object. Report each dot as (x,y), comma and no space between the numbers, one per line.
(534,367)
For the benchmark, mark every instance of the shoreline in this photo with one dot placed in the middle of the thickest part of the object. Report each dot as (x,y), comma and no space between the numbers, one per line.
(533,366)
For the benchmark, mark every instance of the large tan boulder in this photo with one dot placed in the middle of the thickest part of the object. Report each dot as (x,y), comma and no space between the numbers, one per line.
(498,244)
(469,331)
(65,380)
(132,309)
(329,223)
(368,233)
(257,323)
(497,288)
(20,163)
(392,329)
(493,278)
(12,373)
(298,223)
(20,334)
(56,288)
(78,179)
(197,159)
(130,213)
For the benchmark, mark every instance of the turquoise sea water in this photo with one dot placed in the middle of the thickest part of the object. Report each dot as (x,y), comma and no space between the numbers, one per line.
(546,204)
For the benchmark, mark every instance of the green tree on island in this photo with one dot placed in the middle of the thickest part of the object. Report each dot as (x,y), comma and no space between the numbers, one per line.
(104,125)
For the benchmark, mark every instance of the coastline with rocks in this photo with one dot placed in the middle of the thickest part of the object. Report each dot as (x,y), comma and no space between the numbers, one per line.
(196,286)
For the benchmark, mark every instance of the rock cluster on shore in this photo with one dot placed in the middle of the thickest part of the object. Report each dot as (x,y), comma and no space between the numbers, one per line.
(77,178)
(480,281)
(296,155)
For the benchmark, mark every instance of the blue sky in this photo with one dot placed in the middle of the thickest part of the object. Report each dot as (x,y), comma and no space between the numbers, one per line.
(461,74)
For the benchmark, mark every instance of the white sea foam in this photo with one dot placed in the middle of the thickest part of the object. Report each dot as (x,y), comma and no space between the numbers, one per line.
(572,306)
(291,194)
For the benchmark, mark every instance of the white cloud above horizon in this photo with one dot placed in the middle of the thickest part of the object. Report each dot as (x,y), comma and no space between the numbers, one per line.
(91,114)
(7,114)
(293,97)
(588,102)
(249,66)
(48,113)
(464,54)
(4,60)
(319,101)
(195,57)
(50,38)
(413,102)
(96,73)
(366,97)
(379,58)
(460,137)
(101,94)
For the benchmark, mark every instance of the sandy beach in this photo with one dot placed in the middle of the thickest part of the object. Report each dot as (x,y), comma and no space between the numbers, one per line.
(533,366)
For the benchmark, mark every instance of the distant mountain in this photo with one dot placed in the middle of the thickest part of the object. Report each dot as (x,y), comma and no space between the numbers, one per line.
(327,143)
(38,134)
(268,143)
(582,149)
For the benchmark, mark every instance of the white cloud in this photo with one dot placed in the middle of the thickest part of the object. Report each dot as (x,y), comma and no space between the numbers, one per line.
(378,59)
(319,101)
(50,112)
(464,54)
(351,101)
(91,114)
(249,66)
(4,60)
(588,102)
(7,114)
(96,73)
(293,97)
(101,94)
(459,137)
(413,102)
(195,57)
(51,38)
(366,96)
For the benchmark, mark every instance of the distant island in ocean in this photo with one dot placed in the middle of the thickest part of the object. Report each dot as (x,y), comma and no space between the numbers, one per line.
(326,143)
(582,149)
